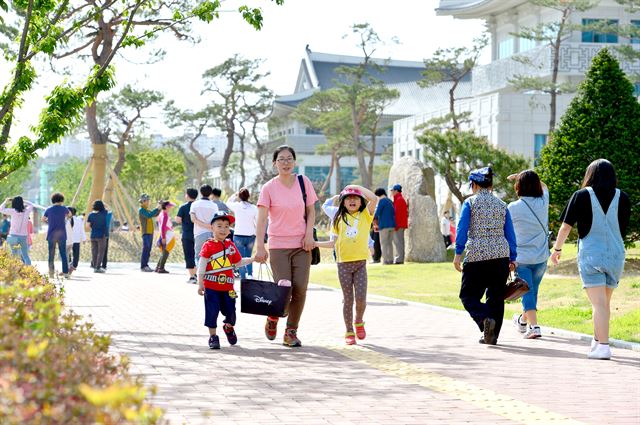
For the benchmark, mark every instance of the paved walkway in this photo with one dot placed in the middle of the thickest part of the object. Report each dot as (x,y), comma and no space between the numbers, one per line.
(418,365)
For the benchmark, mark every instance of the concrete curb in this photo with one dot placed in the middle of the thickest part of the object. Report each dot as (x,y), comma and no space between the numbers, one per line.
(553,331)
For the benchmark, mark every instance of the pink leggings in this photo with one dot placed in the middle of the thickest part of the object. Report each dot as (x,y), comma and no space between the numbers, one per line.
(353,278)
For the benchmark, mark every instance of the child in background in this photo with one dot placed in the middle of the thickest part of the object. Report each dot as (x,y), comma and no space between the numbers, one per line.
(218,257)
(351,225)
(79,236)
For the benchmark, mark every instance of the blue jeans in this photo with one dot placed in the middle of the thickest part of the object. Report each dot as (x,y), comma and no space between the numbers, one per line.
(62,249)
(532,273)
(147,241)
(199,240)
(245,246)
(19,247)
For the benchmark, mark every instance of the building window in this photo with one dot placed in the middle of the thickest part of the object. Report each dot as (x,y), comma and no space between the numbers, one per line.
(347,176)
(311,130)
(316,174)
(526,44)
(505,48)
(636,24)
(636,89)
(539,140)
(593,36)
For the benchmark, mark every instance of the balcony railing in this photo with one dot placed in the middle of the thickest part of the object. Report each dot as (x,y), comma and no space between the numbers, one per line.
(575,59)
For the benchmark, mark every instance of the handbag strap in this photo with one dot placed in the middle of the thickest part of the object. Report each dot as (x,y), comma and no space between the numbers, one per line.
(544,229)
(268,273)
(304,195)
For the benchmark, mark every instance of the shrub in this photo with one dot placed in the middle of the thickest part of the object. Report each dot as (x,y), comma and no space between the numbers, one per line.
(54,368)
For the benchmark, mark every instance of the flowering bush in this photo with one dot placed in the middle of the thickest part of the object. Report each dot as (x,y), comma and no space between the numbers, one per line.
(54,369)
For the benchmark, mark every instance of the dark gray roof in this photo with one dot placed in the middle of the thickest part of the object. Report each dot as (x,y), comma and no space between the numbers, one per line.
(295,99)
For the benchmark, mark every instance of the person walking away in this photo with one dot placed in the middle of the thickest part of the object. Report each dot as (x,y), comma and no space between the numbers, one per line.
(530,216)
(351,225)
(201,213)
(18,231)
(485,232)
(386,218)
(452,231)
(401,210)
(217,259)
(55,217)
(244,235)
(146,228)
(445,229)
(291,221)
(215,197)
(79,236)
(602,213)
(184,219)
(97,222)
(105,257)
(4,228)
(167,238)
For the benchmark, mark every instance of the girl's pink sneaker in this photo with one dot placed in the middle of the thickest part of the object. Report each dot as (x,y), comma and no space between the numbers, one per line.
(360,332)
(350,338)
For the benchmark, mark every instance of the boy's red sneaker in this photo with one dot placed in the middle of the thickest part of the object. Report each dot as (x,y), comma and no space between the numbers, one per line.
(360,332)
(350,338)
(230,333)
(271,328)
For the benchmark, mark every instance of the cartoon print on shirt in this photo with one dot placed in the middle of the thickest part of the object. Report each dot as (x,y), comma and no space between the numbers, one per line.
(219,262)
(352,229)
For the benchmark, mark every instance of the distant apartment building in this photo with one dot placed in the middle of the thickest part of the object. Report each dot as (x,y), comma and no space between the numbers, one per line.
(513,120)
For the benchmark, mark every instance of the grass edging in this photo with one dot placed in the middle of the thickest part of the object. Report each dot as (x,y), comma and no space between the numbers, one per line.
(618,343)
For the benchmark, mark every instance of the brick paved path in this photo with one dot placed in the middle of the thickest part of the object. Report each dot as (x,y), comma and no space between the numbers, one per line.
(418,365)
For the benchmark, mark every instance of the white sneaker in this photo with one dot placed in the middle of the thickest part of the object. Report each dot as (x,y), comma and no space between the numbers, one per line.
(521,327)
(601,352)
(594,343)
(533,332)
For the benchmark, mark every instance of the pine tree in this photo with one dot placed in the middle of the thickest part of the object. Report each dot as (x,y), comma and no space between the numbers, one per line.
(602,121)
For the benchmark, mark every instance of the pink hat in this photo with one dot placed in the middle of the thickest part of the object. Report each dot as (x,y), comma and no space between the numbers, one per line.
(351,191)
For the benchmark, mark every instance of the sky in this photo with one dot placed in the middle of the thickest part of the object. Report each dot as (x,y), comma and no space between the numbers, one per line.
(321,24)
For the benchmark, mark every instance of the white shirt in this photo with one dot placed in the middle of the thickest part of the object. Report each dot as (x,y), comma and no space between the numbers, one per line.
(203,209)
(246,218)
(79,234)
(444,226)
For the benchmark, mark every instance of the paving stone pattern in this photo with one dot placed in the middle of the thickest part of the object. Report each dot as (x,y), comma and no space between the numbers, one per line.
(418,365)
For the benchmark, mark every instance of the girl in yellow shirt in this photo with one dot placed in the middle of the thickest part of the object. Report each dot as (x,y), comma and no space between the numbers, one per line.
(350,226)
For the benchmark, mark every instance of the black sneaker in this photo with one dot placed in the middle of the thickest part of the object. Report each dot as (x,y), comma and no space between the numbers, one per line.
(488,332)
(230,333)
(214,342)
(193,280)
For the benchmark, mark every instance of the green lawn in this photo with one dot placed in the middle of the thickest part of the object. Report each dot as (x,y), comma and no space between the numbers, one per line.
(562,302)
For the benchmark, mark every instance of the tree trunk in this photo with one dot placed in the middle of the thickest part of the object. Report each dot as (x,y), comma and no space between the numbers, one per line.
(362,165)
(554,72)
(224,174)
(99,145)
(451,184)
(242,158)
(338,173)
(117,169)
(327,181)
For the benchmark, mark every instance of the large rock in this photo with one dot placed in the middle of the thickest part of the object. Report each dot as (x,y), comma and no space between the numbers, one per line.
(423,241)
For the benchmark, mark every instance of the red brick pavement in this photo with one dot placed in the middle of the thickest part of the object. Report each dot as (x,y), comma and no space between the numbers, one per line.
(418,365)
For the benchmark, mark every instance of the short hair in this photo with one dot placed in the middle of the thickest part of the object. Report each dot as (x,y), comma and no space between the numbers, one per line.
(244,194)
(600,174)
(206,190)
(380,191)
(192,193)
(98,205)
(216,192)
(57,197)
(283,148)
(17,203)
(528,184)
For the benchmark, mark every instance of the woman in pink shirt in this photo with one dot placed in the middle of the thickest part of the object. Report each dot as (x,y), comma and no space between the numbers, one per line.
(167,238)
(290,236)
(18,232)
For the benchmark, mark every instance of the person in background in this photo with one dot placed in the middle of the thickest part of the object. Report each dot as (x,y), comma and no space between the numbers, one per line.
(55,217)
(4,228)
(167,238)
(97,222)
(485,232)
(18,231)
(29,233)
(401,210)
(530,216)
(374,235)
(385,216)
(79,236)
(68,225)
(452,231)
(602,213)
(106,245)
(215,197)
(445,229)
(188,244)
(244,236)
(146,228)
(201,213)
(291,221)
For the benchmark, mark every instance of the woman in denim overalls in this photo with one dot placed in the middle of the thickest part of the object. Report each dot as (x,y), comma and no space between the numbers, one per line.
(602,212)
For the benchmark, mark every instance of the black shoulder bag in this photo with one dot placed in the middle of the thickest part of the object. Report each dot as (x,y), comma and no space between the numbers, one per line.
(315,252)
(550,236)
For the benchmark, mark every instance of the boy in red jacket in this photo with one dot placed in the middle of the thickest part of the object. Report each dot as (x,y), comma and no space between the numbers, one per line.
(218,258)
(402,222)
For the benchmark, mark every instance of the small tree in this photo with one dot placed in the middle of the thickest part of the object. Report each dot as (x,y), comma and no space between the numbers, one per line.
(157,172)
(551,34)
(602,121)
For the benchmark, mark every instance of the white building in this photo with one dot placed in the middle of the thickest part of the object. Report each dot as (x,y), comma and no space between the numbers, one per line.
(515,121)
